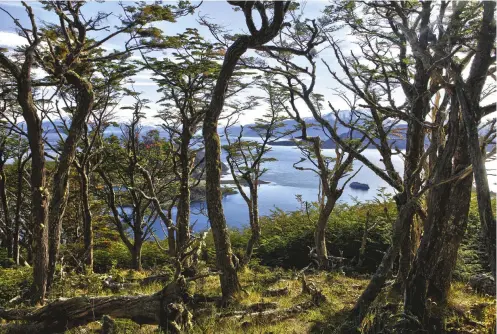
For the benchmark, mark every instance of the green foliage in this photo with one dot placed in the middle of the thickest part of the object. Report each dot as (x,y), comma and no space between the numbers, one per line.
(287,236)
(472,256)
(13,282)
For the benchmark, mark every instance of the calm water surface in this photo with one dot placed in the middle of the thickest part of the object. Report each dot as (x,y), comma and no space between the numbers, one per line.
(286,184)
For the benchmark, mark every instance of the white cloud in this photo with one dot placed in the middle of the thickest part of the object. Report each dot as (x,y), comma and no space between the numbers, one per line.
(11,39)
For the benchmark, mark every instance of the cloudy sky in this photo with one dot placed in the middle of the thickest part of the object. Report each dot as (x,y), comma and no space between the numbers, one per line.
(219,12)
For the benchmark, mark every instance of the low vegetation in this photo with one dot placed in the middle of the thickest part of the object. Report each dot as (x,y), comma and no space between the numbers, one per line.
(272,282)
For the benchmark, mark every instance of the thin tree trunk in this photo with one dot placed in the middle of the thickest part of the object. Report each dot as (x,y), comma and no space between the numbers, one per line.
(407,254)
(400,232)
(136,257)
(487,219)
(9,228)
(364,241)
(17,215)
(87,218)
(320,233)
(469,96)
(228,277)
(255,228)
(40,193)
(183,215)
(136,252)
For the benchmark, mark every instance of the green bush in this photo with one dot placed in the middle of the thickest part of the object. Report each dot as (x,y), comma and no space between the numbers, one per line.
(13,282)
(287,236)
(153,256)
(472,257)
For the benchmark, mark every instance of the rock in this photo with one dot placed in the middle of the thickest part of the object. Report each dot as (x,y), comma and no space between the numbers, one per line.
(483,284)
(359,186)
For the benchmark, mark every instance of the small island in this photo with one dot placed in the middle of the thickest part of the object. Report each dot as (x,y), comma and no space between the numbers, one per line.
(359,186)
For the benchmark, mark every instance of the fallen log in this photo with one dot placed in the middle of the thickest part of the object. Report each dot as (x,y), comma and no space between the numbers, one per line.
(155,279)
(164,308)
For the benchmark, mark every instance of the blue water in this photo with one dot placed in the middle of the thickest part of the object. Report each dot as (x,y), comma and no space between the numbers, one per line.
(286,183)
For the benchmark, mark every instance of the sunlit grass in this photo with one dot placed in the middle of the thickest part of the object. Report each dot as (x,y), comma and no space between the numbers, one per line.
(467,311)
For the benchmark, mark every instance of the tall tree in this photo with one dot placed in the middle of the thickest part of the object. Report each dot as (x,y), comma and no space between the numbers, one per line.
(448,202)
(67,56)
(22,75)
(185,80)
(268,29)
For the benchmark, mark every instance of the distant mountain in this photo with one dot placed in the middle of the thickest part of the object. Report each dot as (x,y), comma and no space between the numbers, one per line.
(313,130)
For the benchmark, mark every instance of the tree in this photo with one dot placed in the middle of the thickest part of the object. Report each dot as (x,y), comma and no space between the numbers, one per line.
(296,82)
(66,56)
(419,72)
(448,201)
(246,159)
(258,37)
(186,81)
(22,76)
(126,185)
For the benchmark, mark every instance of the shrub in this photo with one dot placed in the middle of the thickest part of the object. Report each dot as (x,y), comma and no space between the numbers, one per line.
(13,282)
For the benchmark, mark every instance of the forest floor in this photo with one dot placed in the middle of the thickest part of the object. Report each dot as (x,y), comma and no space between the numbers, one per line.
(467,312)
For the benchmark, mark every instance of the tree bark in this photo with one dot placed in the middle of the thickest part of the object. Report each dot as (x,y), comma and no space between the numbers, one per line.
(40,194)
(228,277)
(469,95)
(136,251)
(183,215)
(87,218)
(85,99)
(255,228)
(320,233)
(448,206)
(9,228)
(17,214)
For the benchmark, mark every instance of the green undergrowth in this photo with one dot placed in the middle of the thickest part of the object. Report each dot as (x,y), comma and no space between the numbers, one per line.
(467,312)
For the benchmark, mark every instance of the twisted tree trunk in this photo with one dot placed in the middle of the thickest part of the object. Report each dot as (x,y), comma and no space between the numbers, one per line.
(60,185)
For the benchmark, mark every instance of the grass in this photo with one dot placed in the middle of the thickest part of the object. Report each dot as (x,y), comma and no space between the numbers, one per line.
(467,312)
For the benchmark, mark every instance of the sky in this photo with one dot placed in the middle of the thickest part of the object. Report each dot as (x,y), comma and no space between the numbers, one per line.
(219,12)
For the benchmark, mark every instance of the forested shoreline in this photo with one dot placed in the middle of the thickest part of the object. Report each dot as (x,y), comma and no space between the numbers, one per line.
(80,215)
